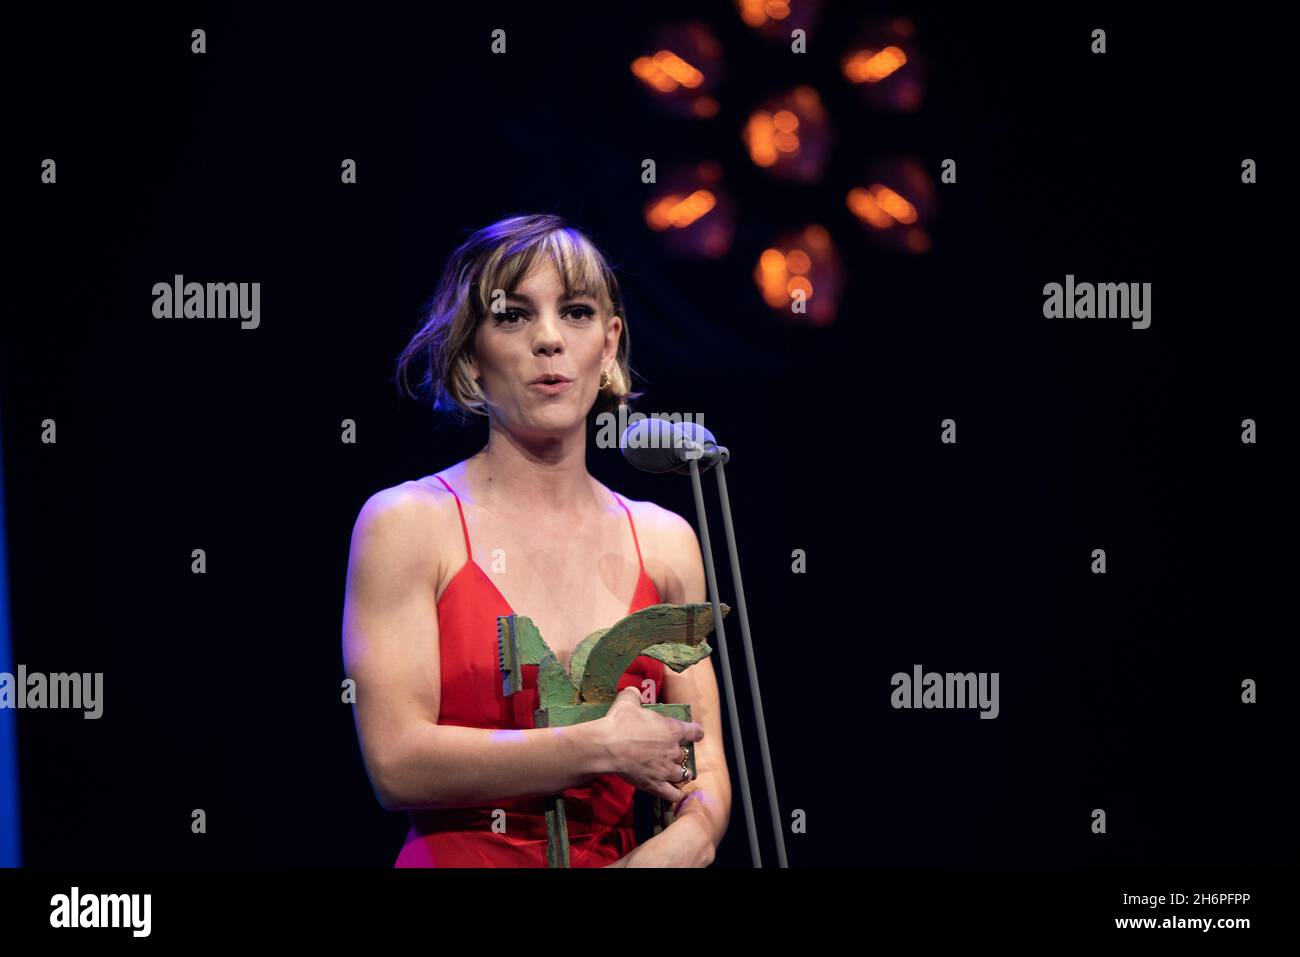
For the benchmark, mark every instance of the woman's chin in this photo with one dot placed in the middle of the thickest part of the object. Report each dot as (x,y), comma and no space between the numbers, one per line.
(554,420)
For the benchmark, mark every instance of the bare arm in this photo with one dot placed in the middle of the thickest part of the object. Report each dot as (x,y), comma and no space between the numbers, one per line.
(708,795)
(702,815)
(390,648)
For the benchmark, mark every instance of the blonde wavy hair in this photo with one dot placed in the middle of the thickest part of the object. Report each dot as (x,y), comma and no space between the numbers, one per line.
(497,257)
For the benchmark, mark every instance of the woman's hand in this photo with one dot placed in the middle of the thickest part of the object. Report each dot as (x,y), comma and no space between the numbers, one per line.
(645,747)
(683,843)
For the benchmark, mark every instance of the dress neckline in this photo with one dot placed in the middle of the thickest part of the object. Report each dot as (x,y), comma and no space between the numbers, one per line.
(469,559)
(483,576)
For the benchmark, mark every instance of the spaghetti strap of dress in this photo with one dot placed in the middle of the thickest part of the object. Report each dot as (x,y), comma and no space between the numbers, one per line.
(463,527)
(633,524)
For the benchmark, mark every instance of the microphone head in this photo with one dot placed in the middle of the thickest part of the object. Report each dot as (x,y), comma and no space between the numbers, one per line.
(647,444)
(661,445)
(693,432)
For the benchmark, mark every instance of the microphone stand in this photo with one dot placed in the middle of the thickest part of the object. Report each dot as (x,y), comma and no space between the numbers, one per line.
(696,450)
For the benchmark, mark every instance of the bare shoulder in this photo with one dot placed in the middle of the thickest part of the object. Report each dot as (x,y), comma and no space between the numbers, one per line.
(659,522)
(418,500)
(665,536)
(412,522)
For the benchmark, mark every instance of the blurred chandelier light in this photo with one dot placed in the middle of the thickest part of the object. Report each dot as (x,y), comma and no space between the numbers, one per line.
(802,265)
(790,135)
(885,63)
(681,69)
(896,202)
(776,19)
(696,217)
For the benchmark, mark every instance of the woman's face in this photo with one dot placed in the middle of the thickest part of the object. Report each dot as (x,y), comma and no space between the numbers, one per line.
(541,332)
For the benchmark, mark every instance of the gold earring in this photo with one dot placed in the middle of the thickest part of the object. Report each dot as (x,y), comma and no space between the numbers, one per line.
(605,380)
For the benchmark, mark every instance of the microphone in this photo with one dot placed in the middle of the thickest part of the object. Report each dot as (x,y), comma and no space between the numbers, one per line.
(662,445)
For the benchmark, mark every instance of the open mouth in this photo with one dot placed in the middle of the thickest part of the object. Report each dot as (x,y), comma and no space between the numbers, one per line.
(550,384)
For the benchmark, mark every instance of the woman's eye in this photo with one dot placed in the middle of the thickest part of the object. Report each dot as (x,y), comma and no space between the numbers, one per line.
(510,317)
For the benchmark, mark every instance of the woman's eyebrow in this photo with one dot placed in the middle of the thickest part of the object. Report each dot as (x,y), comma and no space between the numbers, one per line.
(568,297)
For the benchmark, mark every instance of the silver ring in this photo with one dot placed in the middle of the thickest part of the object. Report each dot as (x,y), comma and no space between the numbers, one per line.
(686,773)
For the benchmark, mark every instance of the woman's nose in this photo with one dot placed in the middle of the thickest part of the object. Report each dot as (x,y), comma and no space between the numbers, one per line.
(546,336)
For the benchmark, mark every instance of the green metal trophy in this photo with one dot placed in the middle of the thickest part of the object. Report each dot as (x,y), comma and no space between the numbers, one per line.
(673,634)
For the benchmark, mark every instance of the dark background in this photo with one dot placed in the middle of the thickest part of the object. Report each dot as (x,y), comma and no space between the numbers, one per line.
(1119,691)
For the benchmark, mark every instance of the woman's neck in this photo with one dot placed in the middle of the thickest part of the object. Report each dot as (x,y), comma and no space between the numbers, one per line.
(550,477)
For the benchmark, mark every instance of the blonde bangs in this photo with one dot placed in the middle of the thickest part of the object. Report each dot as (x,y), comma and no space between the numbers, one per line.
(581,268)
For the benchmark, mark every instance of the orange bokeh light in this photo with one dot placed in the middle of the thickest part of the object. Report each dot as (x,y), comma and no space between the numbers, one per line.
(678,212)
(756,13)
(775,136)
(871,66)
(880,206)
(666,72)
(780,274)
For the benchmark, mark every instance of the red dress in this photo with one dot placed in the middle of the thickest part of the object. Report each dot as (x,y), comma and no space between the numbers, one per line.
(599,813)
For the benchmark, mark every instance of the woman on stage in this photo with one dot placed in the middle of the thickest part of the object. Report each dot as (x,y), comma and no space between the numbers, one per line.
(527,328)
